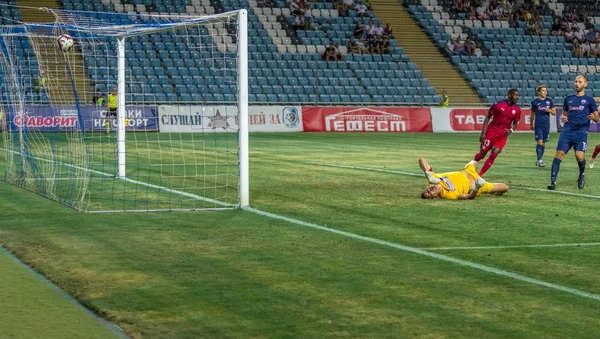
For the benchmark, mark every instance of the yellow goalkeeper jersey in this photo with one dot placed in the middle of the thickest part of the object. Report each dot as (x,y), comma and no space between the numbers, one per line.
(455,183)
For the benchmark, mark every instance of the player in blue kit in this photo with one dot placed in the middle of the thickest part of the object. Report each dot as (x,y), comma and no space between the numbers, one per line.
(578,110)
(541,109)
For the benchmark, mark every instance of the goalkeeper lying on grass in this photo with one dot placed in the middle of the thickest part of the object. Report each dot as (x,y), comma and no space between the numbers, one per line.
(464,184)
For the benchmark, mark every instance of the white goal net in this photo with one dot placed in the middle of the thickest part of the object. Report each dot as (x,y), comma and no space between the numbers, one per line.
(143,113)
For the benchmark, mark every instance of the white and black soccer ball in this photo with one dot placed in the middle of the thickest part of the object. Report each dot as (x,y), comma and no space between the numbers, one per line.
(65,43)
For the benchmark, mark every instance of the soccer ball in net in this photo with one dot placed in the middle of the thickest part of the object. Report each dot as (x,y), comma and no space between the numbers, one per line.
(65,42)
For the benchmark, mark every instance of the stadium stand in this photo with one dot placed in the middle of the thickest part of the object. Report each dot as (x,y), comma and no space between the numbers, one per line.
(282,59)
(435,65)
(509,55)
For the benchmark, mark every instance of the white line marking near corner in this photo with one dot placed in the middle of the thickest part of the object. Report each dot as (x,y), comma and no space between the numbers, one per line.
(366,169)
(442,257)
(557,192)
(584,244)
(166,189)
(372,169)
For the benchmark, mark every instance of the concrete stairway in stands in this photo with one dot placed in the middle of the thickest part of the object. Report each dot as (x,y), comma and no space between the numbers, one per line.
(435,66)
(53,62)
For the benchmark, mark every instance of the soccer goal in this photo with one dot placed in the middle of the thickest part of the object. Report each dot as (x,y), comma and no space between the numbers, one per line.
(108,112)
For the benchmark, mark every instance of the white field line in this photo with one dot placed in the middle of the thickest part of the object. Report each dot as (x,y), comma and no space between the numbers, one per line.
(58,179)
(372,169)
(584,244)
(185,194)
(433,255)
(114,328)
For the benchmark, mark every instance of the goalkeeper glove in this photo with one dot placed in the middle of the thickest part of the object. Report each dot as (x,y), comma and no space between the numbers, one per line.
(479,183)
(431,178)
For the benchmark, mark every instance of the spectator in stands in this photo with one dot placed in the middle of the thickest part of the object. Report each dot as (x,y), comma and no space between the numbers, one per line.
(595,49)
(359,30)
(539,26)
(353,46)
(377,30)
(556,27)
(368,29)
(341,8)
(481,12)
(459,48)
(388,31)
(349,4)
(368,4)
(498,13)
(332,52)
(450,46)
(530,28)
(374,45)
(569,34)
(329,53)
(491,12)
(586,49)
(472,15)
(385,46)
(578,34)
(470,46)
(577,48)
(308,18)
(361,10)
(459,6)
(590,35)
(507,6)
(362,46)
(567,14)
(583,16)
(299,22)
(295,7)
(469,5)
(525,15)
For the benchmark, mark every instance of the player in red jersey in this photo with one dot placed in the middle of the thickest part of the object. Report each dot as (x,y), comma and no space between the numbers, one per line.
(502,119)
(597,148)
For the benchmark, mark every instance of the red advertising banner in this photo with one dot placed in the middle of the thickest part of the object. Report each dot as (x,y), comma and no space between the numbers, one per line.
(472,119)
(365,119)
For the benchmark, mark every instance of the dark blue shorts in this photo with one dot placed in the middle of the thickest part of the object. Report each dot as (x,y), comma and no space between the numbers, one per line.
(542,133)
(568,140)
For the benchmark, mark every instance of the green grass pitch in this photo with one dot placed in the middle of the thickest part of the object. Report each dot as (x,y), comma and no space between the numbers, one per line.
(239,274)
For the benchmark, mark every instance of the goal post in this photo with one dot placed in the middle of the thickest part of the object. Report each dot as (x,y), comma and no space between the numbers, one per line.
(179,140)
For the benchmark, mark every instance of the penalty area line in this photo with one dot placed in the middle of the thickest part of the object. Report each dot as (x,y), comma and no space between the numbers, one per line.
(433,255)
(372,169)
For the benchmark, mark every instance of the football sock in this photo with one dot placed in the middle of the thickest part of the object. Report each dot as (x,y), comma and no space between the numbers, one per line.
(539,150)
(555,169)
(581,166)
(596,151)
(478,157)
(107,126)
(488,163)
